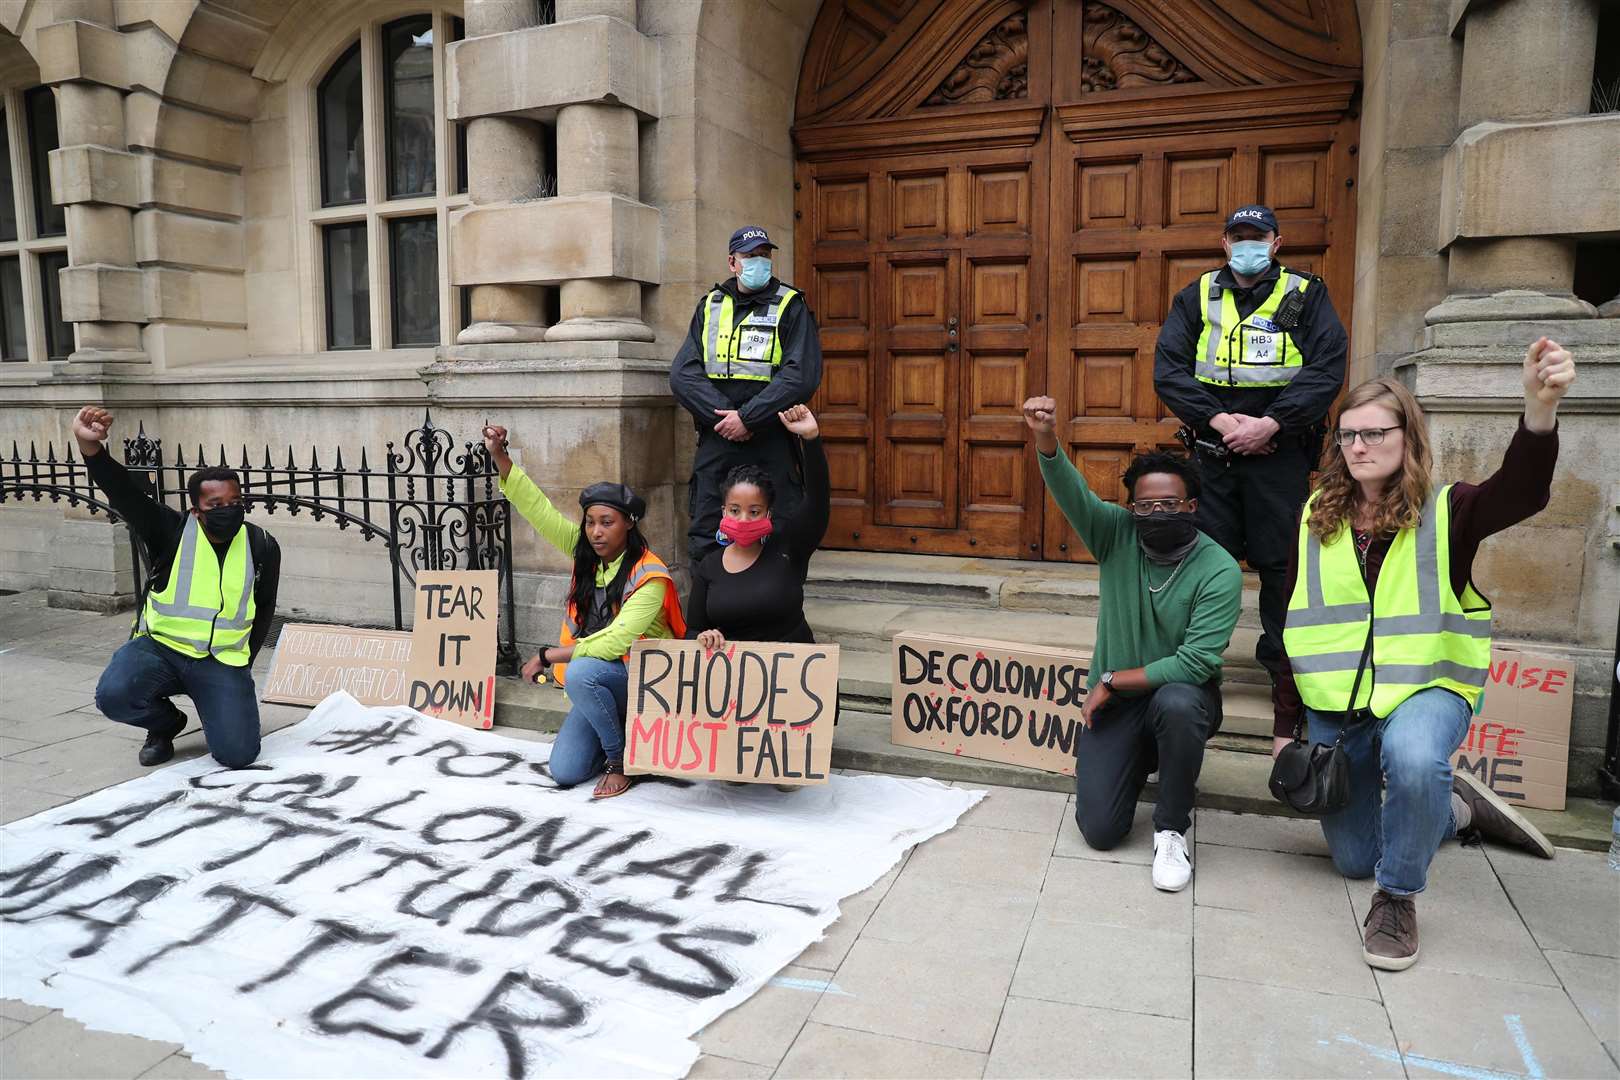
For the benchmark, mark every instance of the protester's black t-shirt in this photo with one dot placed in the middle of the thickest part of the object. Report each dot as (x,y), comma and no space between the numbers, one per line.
(766,601)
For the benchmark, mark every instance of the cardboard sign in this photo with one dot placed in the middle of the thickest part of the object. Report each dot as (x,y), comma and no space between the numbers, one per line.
(994,700)
(1519,742)
(757,712)
(452,668)
(312,661)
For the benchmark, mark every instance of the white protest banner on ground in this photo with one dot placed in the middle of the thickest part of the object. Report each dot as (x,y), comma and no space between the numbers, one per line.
(313,661)
(386,894)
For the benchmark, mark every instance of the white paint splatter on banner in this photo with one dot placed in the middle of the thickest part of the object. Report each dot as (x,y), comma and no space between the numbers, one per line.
(385,894)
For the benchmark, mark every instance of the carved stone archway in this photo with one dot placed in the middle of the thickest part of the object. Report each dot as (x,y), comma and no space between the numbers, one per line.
(1000,197)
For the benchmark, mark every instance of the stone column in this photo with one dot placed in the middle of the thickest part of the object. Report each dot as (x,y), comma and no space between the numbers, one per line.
(1524,61)
(598,152)
(596,77)
(93,176)
(506,162)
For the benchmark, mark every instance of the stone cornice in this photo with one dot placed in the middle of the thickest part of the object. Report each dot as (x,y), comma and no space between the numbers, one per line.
(1488,378)
(1541,178)
(534,72)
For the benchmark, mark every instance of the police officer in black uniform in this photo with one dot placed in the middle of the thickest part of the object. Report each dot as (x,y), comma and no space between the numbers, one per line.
(752,352)
(1250,359)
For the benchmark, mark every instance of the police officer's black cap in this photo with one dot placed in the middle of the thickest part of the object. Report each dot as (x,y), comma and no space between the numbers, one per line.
(1256,215)
(749,238)
(618,496)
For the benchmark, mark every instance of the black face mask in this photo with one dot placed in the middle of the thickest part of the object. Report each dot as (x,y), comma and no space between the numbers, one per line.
(221,522)
(1165,532)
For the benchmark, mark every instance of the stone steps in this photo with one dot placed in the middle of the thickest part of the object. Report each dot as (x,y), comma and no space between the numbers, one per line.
(955,581)
(871,626)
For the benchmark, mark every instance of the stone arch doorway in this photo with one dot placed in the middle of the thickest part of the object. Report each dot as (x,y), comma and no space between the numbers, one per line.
(996,198)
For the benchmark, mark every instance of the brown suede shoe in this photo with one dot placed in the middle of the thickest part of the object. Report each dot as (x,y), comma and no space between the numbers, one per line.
(1495,819)
(1391,939)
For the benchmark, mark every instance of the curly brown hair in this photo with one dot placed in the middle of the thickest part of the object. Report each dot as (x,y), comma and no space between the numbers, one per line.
(1338,493)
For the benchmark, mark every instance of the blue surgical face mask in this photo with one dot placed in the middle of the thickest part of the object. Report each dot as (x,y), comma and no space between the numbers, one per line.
(755,272)
(1250,257)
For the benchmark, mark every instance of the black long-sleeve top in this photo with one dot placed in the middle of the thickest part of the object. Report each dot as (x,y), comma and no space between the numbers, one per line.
(1305,401)
(766,601)
(757,403)
(159,528)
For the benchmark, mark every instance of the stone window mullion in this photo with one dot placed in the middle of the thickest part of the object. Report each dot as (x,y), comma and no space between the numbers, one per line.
(445,179)
(375,179)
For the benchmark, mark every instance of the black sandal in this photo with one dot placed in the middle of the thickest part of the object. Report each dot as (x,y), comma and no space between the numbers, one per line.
(613,767)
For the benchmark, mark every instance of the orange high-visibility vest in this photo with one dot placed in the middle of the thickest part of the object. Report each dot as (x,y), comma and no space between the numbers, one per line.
(648,568)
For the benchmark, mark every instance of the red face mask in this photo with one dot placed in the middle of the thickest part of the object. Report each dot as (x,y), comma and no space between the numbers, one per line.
(743,532)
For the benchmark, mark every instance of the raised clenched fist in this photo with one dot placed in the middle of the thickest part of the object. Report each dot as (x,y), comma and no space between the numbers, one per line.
(800,421)
(90,428)
(1549,369)
(495,442)
(1040,413)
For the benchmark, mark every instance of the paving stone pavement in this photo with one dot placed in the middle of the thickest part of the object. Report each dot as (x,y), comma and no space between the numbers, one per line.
(1006,948)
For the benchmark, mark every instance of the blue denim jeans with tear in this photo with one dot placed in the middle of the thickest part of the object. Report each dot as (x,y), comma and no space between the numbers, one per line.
(1391,834)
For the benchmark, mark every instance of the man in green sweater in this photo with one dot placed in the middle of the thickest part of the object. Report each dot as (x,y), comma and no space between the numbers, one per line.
(1169,600)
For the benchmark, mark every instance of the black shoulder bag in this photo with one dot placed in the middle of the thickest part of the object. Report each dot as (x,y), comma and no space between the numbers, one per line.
(1315,779)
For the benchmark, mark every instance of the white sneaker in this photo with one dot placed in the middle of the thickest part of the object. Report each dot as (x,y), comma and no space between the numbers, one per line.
(1172,869)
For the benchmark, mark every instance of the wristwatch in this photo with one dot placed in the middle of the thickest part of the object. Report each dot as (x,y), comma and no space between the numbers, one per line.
(1107,679)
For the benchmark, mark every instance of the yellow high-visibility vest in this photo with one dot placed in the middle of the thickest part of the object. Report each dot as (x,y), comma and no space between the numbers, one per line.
(751,349)
(1252,351)
(205,609)
(1423,634)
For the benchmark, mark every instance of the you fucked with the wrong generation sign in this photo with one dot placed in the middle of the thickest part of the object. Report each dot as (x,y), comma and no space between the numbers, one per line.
(387,894)
(994,700)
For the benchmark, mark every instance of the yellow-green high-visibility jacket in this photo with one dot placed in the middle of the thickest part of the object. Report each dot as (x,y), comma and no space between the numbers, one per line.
(750,349)
(1254,351)
(1422,634)
(206,608)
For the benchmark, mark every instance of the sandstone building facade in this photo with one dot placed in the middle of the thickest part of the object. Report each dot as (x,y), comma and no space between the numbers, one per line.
(304,222)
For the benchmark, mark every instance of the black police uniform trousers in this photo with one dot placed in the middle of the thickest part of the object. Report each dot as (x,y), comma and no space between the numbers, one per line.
(773,448)
(1249,506)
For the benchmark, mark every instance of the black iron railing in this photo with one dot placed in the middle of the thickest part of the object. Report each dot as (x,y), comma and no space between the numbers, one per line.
(434,507)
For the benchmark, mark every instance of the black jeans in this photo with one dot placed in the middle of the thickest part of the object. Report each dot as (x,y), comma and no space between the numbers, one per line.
(143,675)
(772,448)
(1129,737)
(1249,506)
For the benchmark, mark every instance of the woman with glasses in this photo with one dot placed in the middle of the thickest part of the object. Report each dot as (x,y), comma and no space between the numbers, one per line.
(1388,642)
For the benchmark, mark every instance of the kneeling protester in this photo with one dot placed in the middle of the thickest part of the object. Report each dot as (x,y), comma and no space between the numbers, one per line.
(1169,598)
(620,593)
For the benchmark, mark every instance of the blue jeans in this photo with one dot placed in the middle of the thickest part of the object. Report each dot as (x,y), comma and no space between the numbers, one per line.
(143,675)
(593,730)
(1393,835)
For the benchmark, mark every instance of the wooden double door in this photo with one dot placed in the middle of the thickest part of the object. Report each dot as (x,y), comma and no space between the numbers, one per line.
(961,257)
